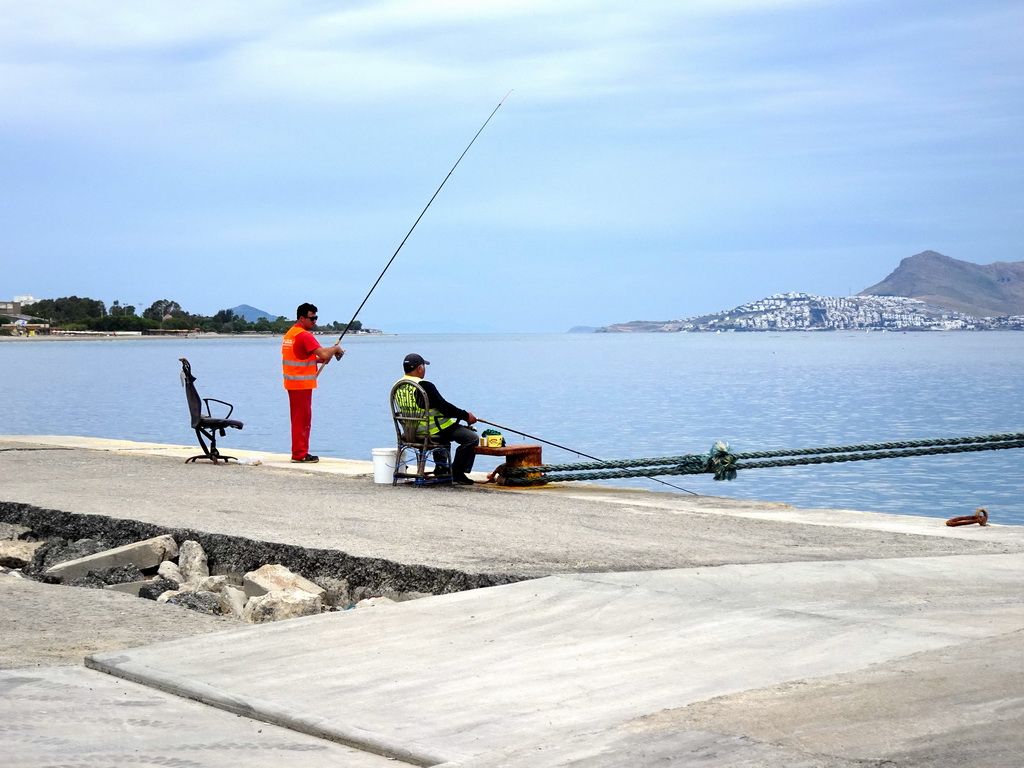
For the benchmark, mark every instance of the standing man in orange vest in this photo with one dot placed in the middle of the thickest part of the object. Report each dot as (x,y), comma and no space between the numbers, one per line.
(300,353)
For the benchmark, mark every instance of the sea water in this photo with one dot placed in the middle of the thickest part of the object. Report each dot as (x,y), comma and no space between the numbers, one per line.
(607,395)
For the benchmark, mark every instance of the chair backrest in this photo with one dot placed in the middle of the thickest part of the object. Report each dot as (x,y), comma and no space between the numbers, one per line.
(195,403)
(410,409)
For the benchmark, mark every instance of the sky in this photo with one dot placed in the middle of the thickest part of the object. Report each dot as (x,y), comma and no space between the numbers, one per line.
(653,160)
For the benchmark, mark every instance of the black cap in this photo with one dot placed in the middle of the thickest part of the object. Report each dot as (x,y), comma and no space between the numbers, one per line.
(413,361)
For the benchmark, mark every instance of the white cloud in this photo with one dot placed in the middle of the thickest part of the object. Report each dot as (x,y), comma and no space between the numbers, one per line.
(701,126)
(112,51)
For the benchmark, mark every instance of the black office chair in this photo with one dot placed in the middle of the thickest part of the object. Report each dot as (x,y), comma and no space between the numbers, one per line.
(205,424)
(409,408)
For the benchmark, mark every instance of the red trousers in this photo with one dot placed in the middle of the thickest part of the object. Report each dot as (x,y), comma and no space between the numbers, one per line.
(300,403)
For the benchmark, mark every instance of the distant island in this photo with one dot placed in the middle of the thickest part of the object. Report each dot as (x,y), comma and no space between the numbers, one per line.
(927,292)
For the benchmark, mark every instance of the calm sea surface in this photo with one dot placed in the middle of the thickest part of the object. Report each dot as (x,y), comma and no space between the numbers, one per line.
(609,395)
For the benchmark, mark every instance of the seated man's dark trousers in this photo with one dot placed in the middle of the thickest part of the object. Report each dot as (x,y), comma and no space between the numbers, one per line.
(468,439)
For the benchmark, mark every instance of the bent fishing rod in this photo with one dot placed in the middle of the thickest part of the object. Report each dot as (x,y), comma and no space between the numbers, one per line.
(579,453)
(422,213)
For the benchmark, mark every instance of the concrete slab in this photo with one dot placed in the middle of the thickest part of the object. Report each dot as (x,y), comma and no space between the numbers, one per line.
(456,677)
(956,706)
(73,717)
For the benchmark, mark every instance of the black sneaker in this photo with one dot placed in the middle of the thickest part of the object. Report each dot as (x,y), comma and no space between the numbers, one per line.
(461,479)
(309,458)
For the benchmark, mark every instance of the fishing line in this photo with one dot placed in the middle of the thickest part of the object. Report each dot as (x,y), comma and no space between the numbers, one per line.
(578,453)
(422,213)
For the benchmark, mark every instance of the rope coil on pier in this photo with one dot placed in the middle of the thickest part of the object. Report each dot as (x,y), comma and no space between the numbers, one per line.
(724,465)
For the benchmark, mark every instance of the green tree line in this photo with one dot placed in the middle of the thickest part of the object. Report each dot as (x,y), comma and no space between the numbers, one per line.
(72,313)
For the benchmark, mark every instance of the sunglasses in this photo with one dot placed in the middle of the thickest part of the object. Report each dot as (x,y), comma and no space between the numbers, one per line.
(311,317)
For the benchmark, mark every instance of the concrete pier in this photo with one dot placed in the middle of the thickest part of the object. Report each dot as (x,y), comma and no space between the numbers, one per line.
(613,627)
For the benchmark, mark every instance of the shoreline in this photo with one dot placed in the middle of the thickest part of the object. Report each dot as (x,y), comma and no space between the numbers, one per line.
(114,336)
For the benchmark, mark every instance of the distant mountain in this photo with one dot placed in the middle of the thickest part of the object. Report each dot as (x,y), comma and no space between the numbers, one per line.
(979,290)
(251,314)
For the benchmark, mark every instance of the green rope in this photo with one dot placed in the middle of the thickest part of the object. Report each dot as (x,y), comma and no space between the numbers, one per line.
(724,465)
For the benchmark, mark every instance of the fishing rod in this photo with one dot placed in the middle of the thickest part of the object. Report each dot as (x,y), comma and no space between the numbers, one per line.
(422,213)
(579,453)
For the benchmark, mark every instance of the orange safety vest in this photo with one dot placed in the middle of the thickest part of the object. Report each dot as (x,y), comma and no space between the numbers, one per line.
(298,373)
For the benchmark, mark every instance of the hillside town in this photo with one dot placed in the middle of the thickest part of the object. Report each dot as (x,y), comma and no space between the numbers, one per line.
(807,312)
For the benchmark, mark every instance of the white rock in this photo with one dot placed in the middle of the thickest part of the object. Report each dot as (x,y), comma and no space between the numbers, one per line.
(18,554)
(270,578)
(192,561)
(232,601)
(169,570)
(282,604)
(339,592)
(211,584)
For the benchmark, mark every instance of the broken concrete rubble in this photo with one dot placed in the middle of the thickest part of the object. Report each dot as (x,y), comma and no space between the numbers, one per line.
(104,577)
(229,554)
(192,561)
(153,589)
(14,532)
(271,592)
(274,577)
(288,603)
(59,550)
(232,601)
(143,554)
(169,570)
(196,600)
(18,554)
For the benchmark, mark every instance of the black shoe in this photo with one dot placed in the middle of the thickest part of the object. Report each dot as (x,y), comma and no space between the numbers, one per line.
(309,458)
(461,479)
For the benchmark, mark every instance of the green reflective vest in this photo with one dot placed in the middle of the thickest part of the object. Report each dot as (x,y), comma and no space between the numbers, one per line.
(405,399)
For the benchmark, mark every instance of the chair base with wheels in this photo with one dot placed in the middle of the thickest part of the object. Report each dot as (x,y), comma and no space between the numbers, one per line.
(206,425)
(417,448)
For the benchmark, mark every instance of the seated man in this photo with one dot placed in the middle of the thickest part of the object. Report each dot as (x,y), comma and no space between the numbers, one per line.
(444,418)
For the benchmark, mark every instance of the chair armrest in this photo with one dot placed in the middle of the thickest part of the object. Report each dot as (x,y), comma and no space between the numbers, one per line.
(209,400)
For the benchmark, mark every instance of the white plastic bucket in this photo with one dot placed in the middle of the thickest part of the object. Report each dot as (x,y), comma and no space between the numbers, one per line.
(383,465)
